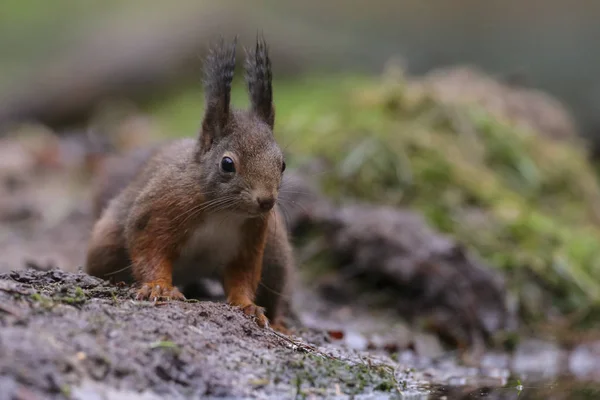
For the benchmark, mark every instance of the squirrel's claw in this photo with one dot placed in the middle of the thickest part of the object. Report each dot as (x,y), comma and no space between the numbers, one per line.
(258,312)
(158,291)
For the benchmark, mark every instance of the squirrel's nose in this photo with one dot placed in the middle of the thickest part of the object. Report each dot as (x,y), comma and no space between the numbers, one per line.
(266,203)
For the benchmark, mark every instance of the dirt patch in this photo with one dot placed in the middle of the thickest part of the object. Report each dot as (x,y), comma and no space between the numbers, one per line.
(71,335)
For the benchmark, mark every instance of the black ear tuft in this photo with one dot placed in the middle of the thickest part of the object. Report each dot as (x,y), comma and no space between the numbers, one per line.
(258,78)
(218,75)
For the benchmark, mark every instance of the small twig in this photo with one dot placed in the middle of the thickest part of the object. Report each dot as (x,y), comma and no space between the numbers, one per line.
(13,289)
(10,310)
(303,346)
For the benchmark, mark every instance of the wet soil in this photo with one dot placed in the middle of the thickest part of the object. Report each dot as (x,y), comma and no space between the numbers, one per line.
(69,335)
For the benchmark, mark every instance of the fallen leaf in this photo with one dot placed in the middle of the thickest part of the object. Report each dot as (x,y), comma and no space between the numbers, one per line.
(337,335)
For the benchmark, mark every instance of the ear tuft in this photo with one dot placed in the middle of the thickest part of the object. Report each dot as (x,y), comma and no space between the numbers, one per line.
(258,79)
(219,67)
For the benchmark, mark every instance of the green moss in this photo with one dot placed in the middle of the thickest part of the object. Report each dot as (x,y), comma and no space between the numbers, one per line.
(528,205)
(163,344)
(44,301)
(66,391)
(72,296)
(57,294)
(315,374)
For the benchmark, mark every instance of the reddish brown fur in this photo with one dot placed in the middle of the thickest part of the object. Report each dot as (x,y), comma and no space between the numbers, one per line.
(150,252)
(243,274)
(172,214)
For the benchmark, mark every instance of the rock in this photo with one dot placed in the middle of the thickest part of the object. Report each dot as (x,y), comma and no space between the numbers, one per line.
(584,361)
(389,258)
(428,345)
(90,390)
(356,341)
(537,358)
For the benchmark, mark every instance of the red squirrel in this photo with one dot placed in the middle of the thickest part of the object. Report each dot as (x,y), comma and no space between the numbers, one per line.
(206,206)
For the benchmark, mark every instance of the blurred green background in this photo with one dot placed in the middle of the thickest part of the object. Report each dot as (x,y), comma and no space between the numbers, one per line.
(552,43)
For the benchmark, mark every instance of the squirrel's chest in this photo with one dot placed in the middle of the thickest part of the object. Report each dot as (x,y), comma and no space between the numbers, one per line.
(210,246)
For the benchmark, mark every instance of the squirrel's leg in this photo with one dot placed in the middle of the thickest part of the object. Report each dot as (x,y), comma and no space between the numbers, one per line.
(277,272)
(242,275)
(155,273)
(152,267)
(158,283)
(152,247)
(107,256)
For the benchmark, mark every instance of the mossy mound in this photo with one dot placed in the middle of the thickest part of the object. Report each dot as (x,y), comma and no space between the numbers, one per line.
(527,204)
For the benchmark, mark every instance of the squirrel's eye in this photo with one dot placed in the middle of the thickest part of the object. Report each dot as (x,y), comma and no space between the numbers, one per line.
(283,166)
(227,164)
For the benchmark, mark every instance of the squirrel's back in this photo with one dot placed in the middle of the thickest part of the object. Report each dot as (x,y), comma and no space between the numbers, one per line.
(118,171)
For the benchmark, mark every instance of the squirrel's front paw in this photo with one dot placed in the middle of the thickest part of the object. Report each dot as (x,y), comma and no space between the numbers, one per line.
(258,312)
(159,291)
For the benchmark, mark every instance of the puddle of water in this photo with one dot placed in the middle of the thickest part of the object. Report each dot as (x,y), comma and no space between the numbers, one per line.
(563,389)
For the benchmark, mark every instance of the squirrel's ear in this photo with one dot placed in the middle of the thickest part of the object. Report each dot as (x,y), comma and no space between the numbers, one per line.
(258,78)
(218,74)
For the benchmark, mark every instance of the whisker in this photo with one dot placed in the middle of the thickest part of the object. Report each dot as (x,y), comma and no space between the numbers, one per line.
(119,270)
(288,144)
(283,295)
(195,207)
(314,173)
(202,207)
(286,214)
(294,192)
(222,206)
(295,204)
(273,214)
(207,210)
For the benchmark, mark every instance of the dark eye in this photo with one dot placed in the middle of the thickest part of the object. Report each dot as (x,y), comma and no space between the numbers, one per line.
(227,164)
(283,166)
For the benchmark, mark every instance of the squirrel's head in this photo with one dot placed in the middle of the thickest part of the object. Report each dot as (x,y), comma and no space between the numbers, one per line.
(242,164)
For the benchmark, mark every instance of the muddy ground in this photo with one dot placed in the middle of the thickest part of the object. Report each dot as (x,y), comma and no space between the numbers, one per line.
(71,335)
(68,335)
